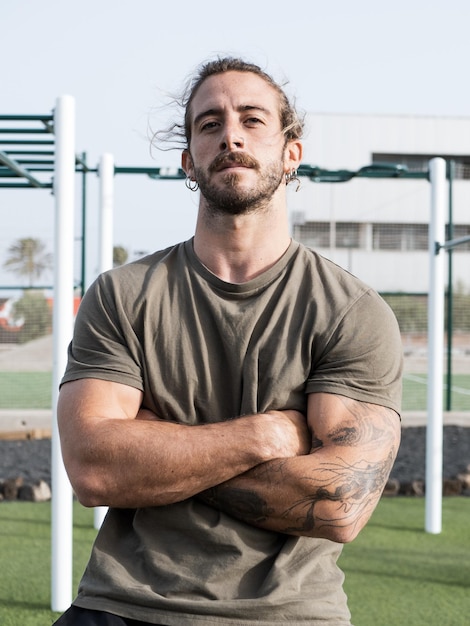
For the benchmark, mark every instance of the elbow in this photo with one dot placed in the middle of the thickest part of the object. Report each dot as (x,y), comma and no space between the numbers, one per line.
(88,488)
(342,534)
(337,532)
(88,497)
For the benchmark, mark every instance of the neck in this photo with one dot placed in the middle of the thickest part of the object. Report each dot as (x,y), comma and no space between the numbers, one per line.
(239,248)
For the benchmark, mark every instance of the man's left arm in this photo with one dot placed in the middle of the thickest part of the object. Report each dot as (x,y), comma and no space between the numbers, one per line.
(330,492)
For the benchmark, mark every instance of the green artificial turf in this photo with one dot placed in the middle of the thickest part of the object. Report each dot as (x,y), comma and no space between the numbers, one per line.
(396,573)
(25,560)
(415,392)
(25,390)
(33,390)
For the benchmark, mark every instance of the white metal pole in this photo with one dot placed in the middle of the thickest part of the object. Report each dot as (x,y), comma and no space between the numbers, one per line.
(106,173)
(64,192)
(434,433)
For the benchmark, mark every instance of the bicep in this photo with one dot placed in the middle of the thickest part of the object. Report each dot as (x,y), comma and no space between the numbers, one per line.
(339,421)
(354,446)
(82,402)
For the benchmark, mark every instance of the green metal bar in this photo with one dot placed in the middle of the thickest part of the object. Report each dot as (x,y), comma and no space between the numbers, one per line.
(37,168)
(7,172)
(159,172)
(26,118)
(25,186)
(32,152)
(376,170)
(81,160)
(25,142)
(25,131)
(50,168)
(315,173)
(83,242)
(450,306)
(18,170)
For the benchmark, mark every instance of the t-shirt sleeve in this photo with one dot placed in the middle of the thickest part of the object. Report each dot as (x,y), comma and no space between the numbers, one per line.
(104,343)
(363,357)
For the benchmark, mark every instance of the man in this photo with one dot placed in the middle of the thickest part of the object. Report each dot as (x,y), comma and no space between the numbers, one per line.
(233,399)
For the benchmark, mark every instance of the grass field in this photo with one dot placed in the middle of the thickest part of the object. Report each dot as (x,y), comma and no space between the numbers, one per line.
(25,390)
(32,390)
(415,390)
(396,574)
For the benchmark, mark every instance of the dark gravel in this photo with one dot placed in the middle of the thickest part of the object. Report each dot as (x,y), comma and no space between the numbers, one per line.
(31,459)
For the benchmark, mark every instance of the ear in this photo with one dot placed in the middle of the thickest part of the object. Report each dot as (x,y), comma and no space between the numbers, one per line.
(293,155)
(187,164)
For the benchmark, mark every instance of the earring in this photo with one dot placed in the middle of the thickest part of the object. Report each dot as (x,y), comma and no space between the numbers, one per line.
(192,185)
(292,176)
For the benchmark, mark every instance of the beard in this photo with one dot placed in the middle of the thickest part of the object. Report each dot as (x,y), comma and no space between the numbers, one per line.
(230,197)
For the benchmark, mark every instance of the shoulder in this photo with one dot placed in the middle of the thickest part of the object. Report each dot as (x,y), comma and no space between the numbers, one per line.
(328,271)
(331,287)
(125,288)
(133,276)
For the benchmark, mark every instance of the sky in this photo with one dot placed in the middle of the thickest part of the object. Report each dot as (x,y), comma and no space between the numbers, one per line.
(119,60)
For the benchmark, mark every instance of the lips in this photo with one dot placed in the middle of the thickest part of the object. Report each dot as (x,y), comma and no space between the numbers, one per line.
(230,166)
(232,160)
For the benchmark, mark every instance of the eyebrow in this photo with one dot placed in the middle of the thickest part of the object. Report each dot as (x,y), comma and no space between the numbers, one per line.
(240,109)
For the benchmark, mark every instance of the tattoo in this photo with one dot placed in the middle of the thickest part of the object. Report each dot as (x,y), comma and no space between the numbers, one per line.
(243,503)
(353,488)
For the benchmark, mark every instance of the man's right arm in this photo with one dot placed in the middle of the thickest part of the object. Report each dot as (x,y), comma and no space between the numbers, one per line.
(118,455)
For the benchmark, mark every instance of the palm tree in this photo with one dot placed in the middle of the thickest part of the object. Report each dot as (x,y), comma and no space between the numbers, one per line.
(120,255)
(28,257)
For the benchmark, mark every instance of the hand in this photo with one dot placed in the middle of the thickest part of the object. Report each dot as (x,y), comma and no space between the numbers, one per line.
(293,435)
(288,433)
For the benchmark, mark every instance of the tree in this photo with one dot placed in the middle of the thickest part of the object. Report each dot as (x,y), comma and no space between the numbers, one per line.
(120,255)
(28,257)
(35,313)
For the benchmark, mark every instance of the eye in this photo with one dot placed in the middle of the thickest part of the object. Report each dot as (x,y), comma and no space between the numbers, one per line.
(253,121)
(209,125)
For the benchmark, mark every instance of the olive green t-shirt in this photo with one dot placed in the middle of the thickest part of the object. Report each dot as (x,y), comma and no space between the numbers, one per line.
(203,350)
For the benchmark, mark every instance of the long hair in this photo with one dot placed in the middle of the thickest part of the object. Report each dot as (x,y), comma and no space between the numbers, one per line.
(292,123)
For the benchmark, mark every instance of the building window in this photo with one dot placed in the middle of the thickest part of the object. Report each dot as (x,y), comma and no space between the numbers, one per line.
(347,235)
(404,237)
(313,234)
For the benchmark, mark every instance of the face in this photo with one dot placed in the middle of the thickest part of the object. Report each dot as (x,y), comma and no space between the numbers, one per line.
(238,153)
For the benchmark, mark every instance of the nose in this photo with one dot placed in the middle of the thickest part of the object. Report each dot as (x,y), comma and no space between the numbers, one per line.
(232,137)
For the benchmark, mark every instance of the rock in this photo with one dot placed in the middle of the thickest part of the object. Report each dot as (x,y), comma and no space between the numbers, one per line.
(392,488)
(39,492)
(451,487)
(11,486)
(413,488)
(465,479)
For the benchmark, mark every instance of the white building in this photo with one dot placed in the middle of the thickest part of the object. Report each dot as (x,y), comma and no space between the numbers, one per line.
(378,228)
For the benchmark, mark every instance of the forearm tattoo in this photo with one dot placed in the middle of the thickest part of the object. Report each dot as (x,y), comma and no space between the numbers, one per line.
(333,493)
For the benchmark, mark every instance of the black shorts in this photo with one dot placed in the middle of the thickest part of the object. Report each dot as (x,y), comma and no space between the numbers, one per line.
(76,616)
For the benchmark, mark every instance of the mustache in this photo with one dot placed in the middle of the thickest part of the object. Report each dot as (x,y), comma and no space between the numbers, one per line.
(237,158)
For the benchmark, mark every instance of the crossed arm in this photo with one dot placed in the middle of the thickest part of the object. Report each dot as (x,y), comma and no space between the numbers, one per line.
(321,476)
(329,493)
